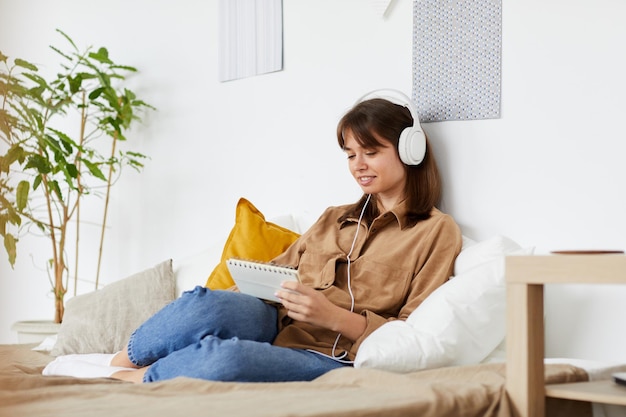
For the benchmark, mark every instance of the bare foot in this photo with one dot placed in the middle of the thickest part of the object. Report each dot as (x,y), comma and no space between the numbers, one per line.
(121,359)
(135,376)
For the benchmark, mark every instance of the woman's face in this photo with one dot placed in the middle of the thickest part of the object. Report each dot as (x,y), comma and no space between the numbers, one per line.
(377,171)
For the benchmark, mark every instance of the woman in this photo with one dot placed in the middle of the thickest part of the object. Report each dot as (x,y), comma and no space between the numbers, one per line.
(360,265)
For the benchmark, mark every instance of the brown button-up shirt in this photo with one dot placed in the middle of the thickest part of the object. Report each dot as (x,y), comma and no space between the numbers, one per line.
(393,268)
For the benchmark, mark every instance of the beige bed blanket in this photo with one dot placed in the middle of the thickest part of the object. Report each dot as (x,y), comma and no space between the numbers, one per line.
(454,391)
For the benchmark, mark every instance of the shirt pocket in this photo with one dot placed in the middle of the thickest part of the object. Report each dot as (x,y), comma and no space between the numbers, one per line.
(379,287)
(317,270)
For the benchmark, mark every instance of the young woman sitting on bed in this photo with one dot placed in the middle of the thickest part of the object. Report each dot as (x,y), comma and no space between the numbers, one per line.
(360,265)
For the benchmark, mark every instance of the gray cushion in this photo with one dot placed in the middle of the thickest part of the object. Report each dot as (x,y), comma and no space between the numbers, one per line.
(103,320)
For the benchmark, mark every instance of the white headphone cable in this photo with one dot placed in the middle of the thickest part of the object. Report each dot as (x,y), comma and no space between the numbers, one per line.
(358,227)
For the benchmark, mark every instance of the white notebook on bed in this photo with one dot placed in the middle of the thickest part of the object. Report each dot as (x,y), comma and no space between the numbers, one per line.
(260,279)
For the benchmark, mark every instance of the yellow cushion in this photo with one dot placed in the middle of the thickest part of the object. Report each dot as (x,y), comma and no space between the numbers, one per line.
(251,238)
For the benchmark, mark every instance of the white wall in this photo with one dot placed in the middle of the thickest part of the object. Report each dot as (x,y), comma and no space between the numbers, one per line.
(549,173)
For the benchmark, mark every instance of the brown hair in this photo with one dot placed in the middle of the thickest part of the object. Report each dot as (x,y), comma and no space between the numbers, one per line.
(375,119)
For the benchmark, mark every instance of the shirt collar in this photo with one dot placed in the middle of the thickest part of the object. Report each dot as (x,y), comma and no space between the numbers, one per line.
(399,212)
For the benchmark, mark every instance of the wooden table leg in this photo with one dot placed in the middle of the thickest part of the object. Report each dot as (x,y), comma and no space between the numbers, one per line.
(525,382)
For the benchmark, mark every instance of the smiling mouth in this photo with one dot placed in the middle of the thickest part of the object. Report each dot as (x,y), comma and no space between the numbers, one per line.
(365,180)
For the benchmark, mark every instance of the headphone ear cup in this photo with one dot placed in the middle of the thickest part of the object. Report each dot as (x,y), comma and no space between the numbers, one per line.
(412,146)
(412,141)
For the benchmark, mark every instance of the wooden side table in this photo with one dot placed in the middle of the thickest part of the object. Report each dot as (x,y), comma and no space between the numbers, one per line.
(525,277)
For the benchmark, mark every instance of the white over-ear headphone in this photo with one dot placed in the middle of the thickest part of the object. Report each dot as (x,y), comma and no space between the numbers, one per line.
(412,141)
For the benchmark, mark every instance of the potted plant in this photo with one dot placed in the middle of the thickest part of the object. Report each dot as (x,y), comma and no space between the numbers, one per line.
(60,141)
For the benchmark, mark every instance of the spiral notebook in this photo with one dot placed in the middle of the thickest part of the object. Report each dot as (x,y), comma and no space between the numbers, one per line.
(260,279)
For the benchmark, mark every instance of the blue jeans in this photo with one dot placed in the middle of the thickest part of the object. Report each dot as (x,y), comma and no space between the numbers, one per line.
(220,336)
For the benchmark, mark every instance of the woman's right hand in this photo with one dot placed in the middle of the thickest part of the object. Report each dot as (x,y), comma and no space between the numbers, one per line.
(308,305)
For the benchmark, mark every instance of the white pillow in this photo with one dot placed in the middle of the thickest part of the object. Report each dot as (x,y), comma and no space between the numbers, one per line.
(194,270)
(460,323)
(474,254)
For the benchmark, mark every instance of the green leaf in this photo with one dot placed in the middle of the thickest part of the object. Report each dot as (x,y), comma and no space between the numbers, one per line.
(40,81)
(96,93)
(87,75)
(9,245)
(72,171)
(113,122)
(3,57)
(64,55)
(67,142)
(37,182)
(110,94)
(41,164)
(14,217)
(53,144)
(11,215)
(124,67)
(136,154)
(93,168)
(67,37)
(75,83)
(41,226)
(135,164)
(21,195)
(25,64)
(101,56)
(15,153)
(53,186)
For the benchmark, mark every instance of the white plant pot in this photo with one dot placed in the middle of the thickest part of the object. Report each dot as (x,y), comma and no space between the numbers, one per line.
(35,331)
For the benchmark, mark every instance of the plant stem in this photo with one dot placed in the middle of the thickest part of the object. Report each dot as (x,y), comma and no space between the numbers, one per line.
(58,260)
(83,122)
(76,246)
(59,288)
(106,209)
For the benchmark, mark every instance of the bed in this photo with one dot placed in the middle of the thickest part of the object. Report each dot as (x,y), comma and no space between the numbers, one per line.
(447,359)
(451,391)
